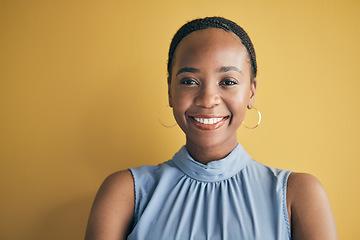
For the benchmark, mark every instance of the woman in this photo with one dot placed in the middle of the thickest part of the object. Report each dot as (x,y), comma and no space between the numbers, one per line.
(211,189)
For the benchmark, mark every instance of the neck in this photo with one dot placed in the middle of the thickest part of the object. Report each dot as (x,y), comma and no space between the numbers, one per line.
(206,154)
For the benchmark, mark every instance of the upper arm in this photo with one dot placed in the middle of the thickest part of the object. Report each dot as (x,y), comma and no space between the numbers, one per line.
(112,211)
(309,208)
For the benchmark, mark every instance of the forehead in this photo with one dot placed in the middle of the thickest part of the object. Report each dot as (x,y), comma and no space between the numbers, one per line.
(213,33)
(209,45)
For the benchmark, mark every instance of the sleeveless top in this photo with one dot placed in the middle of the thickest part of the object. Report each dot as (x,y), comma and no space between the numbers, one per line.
(232,198)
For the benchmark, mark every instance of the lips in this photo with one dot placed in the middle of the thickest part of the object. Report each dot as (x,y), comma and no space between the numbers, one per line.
(208,123)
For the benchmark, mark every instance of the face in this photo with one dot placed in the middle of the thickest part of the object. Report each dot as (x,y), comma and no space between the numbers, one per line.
(210,87)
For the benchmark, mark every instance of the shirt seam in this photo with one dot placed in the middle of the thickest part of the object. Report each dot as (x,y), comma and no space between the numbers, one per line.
(135,218)
(285,211)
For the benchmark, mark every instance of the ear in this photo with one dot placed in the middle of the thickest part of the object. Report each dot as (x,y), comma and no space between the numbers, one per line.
(253,86)
(169,91)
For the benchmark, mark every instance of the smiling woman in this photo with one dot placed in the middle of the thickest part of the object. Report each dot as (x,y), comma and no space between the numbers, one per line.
(218,86)
(211,188)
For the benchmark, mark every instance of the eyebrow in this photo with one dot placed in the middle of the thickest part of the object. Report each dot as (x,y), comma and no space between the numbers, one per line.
(188,69)
(230,68)
(221,70)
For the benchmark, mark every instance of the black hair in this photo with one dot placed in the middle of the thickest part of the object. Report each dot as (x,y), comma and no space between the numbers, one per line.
(212,22)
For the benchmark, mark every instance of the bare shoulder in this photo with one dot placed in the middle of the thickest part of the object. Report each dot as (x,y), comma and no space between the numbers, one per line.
(112,211)
(118,181)
(309,208)
(300,182)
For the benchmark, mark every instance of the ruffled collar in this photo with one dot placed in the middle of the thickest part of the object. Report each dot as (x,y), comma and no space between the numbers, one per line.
(213,171)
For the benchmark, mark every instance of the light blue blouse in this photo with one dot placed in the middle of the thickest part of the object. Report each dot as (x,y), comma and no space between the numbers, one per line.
(232,198)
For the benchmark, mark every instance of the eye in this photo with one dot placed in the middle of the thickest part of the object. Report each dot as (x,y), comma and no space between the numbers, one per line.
(188,81)
(228,82)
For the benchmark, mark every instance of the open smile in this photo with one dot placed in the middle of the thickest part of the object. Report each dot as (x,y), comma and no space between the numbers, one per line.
(208,120)
(208,123)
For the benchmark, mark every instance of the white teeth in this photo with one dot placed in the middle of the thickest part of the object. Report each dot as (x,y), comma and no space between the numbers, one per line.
(208,120)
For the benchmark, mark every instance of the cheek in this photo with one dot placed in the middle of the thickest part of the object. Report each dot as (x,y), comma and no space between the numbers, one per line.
(179,102)
(238,107)
(181,99)
(238,104)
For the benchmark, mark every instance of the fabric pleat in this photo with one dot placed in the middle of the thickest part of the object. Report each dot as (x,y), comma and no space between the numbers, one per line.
(232,198)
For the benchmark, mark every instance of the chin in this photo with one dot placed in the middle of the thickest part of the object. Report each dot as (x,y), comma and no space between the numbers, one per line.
(209,142)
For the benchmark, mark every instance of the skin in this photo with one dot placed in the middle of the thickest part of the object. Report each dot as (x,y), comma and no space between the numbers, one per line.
(211,78)
(112,211)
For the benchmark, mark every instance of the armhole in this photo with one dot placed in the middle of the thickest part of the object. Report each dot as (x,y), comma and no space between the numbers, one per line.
(136,206)
(285,211)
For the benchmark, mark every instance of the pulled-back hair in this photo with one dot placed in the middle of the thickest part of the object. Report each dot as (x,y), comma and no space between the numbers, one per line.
(212,22)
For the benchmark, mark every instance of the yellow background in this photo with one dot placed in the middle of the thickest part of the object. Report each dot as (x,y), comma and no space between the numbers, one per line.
(82,84)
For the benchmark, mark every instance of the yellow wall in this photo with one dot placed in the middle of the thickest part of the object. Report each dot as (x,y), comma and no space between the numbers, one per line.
(82,83)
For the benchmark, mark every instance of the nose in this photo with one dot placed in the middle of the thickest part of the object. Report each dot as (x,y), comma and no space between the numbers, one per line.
(208,97)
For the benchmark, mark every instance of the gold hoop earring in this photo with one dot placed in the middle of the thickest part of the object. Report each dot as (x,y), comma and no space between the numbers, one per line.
(258,123)
(163,114)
